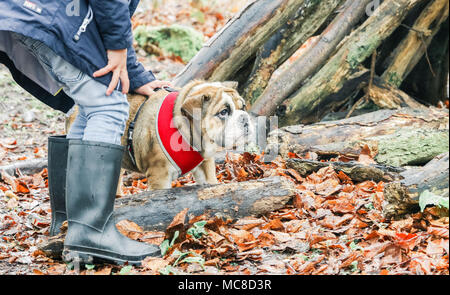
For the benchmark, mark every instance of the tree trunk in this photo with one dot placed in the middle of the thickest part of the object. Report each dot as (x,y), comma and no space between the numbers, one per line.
(403,196)
(308,19)
(414,46)
(311,61)
(229,50)
(398,137)
(310,104)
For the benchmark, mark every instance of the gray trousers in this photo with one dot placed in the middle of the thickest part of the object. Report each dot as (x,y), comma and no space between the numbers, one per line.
(100,117)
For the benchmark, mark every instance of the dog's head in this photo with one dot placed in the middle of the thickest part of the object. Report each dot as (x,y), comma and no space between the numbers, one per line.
(217,112)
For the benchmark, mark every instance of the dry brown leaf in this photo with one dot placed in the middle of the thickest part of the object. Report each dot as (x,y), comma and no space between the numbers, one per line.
(438,231)
(154,264)
(333,221)
(104,271)
(129,229)
(274,224)
(248,223)
(215,238)
(349,260)
(178,224)
(402,225)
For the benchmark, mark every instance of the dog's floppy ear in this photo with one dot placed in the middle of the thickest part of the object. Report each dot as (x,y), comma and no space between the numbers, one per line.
(231,84)
(238,101)
(194,102)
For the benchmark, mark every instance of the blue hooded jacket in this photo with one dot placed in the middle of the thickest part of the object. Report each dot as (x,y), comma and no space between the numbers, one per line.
(80,31)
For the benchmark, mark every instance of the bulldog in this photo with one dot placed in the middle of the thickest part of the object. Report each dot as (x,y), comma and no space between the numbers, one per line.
(187,126)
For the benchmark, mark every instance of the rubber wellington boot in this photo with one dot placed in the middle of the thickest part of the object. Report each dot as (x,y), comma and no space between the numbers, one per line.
(93,170)
(57,165)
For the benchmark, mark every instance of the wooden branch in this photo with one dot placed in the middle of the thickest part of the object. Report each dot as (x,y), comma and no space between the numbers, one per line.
(310,104)
(356,171)
(414,46)
(26,167)
(227,52)
(307,21)
(399,137)
(403,196)
(282,87)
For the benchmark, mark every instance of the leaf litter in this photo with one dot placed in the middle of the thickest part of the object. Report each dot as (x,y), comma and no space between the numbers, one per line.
(332,226)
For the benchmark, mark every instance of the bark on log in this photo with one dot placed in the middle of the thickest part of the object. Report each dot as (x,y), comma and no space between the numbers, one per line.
(310,104)
(307,21)
(414,46)
(227,52)
(389,97)
(399,137)
(25,167)
(403,196)
(155,210)
(356,171)
(311,61)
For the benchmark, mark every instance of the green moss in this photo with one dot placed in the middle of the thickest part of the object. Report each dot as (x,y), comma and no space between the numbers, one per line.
(394,79)
(361,50)
(179,40)
(411,147)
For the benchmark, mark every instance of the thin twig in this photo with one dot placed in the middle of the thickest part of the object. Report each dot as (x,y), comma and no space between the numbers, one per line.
(424,44)
(372,69)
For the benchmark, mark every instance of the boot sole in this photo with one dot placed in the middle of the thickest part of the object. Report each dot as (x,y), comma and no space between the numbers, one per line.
(89,256)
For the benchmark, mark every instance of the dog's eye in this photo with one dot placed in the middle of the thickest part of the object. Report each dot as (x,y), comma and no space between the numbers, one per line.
(224,113)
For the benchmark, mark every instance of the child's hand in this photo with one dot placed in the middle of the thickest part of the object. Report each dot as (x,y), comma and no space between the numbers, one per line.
(117,64)
(147,89)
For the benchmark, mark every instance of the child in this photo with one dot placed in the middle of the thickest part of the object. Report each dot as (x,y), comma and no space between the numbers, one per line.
(67,52)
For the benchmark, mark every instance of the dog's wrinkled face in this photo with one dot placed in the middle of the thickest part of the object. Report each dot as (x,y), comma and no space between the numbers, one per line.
(221,111)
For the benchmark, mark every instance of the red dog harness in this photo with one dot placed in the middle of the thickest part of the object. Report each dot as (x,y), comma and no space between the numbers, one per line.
(178,151)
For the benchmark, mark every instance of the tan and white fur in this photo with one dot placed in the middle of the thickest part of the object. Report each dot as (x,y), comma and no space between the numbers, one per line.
(213,112)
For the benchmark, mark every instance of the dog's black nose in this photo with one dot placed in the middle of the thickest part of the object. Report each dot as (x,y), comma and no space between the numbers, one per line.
(244,121)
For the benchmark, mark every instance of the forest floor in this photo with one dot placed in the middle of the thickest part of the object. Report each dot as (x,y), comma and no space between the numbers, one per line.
(333,226)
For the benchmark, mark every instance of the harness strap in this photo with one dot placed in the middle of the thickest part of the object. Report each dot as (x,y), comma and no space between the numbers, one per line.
(130,148)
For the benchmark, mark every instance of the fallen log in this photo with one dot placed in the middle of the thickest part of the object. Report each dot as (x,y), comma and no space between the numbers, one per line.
(155,210)
(403,196)
(398,137)
(356,171)
(311,102)
(25,167)
(229,50)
